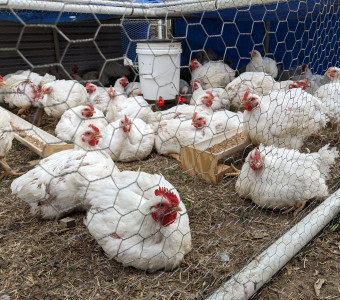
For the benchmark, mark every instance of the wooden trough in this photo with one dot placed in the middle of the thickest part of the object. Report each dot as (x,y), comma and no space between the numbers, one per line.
(36,139)
(204,158)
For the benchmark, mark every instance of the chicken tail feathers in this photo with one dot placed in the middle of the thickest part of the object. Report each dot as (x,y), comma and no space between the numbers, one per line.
(327,157)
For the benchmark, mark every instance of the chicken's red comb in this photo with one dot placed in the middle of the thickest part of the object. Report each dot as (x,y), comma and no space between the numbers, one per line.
(125,78)
(163,191)
(193,60)
(210,94)
(126,119)
(90,106)
(96,130)
(245,96)
(111,89)
(257,154)
(88,84)
(305,82)
(1,79)
(195,116)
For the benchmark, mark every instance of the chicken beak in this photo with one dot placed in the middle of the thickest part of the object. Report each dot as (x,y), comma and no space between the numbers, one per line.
(2,83)
(213,99)
(128,127)
(98,136)
(176,208)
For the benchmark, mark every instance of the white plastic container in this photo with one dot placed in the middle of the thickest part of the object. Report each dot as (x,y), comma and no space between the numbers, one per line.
(159,69)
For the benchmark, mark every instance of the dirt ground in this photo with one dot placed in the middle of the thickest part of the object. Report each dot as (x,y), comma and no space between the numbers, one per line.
(40,260)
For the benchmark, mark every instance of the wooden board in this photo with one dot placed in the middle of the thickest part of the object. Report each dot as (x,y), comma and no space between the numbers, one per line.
(196,160)
(36,139)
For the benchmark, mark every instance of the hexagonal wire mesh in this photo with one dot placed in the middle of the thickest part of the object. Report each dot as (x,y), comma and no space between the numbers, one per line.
(150,203)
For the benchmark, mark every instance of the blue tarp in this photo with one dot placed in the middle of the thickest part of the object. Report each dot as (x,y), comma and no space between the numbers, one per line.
(34,17)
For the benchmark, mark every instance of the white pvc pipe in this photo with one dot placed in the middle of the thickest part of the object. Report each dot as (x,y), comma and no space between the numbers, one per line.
(160,29)
(261,269)
(172,8)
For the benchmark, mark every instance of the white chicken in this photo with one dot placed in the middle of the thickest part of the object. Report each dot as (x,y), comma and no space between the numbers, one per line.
(329,94)
(282,118)
(6,138)
(120,85)
(139,220)
(74,118)
(186,112)
(262,64)
(212,74)
(258,83)
(315,80)
(217,101)
(2,88)
(50,188)
(99,96)
(182,112)
(175,133)
(184,87)
(224,120)
(23,89)
(115,69)
(128,140)
(60,95)
(132,107)
(133,89)
(281,178)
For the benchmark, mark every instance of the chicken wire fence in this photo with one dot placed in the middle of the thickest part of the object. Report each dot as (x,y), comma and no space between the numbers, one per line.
(203,134)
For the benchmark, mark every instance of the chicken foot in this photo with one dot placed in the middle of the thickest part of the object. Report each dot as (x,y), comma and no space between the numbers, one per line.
(40,114)
(24,109)
(8,170)
(54,123)
(297,208)
(236,173)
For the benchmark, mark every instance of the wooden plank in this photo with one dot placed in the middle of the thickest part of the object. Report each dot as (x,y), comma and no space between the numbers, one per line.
(36,139)
(67,223)
(54,148)
(198,161)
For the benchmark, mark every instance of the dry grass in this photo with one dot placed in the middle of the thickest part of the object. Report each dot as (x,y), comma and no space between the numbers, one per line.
(39,260)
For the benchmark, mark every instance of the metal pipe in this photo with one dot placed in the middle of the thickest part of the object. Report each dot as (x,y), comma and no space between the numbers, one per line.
(137,10)
(263,267)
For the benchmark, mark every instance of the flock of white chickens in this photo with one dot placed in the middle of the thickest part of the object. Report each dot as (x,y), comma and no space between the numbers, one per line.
(139,218)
